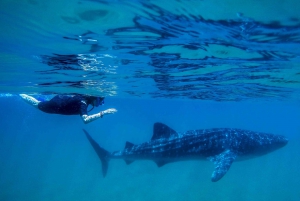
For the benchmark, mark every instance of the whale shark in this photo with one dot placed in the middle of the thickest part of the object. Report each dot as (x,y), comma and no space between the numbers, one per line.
(222,146)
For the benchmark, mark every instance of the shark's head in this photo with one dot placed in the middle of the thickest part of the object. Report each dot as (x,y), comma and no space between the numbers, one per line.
(271,143)
(279,141)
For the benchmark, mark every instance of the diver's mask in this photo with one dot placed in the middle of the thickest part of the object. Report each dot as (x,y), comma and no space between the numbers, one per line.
(99,101)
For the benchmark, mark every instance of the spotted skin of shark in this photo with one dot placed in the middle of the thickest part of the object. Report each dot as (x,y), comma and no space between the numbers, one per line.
(222,146)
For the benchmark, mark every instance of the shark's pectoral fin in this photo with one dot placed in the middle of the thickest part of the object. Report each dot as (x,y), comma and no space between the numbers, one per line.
(222,163)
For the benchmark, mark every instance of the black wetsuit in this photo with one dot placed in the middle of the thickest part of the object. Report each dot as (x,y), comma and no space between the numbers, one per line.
(66,105)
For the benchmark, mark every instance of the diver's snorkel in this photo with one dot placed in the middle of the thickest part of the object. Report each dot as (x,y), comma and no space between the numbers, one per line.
(99,101)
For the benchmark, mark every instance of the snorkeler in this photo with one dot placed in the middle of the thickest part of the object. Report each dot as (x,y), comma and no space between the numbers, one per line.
(70,105)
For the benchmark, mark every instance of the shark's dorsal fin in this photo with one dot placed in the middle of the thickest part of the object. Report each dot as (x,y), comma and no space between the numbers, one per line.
(128,145)
(222,163)
(161,130)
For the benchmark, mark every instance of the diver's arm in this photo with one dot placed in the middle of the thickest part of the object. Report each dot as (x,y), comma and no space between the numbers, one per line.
(89,118)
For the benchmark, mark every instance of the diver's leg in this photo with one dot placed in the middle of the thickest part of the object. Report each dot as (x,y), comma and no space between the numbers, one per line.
(30,100)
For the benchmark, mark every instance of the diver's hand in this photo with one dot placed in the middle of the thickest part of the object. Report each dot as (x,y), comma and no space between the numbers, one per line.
(109,111)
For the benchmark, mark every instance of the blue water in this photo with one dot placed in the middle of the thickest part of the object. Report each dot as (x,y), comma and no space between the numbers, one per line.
(47,157)
(188,64)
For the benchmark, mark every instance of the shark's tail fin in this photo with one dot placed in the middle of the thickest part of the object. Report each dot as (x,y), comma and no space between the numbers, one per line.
(102,153)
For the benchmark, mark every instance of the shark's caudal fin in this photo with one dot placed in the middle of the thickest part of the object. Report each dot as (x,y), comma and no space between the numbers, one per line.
(102,153)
